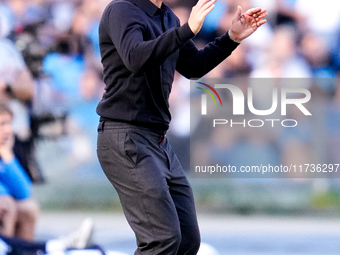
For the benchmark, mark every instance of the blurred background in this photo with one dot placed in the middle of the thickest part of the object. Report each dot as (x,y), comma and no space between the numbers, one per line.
(49,54)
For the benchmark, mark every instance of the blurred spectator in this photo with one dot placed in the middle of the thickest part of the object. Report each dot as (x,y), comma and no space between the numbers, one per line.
(286,13)
(16,89)
(18,14)
(16,84)
(83,122)
(74,53)
(237,65)
(65,66)
(17,210)
(62,14)
(282,60)
(321,18)
(314,50)
(92,11)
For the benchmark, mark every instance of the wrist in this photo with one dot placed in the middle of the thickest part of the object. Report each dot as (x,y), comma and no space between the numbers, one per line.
(233,37)
(193,29)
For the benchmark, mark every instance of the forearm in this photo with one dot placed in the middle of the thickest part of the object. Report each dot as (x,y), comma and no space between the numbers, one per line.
(149,54)
(194,63)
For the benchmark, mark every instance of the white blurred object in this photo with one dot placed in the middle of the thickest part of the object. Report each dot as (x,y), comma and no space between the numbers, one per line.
(85,252)
(115,253)
(62,13)
(206,249)
(4,249)
(77,252)
(270,5)
(78,240)
(321,16)
(5,20)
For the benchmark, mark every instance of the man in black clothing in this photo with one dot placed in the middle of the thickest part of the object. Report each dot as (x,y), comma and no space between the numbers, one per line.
(142,44)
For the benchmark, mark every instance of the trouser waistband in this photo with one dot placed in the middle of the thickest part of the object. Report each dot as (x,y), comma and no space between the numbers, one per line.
(108,124)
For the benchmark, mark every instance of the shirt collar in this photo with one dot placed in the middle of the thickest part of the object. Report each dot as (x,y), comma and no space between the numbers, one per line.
(147,6)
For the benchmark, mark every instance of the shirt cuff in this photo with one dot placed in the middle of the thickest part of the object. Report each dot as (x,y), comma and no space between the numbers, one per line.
(232,38)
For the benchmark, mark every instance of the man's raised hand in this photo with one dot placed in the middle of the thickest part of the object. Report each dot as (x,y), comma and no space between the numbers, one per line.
(244,24)
(198,14)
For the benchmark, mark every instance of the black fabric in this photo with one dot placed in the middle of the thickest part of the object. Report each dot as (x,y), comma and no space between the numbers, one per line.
(141,47)
(24,152)
(154,192)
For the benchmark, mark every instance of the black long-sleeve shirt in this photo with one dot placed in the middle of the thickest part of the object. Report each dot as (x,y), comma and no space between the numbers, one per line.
(141,47)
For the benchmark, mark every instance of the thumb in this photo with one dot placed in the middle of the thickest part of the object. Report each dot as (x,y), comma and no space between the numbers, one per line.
(238,12)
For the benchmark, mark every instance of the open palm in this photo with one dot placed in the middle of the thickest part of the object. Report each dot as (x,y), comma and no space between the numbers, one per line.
(244,24)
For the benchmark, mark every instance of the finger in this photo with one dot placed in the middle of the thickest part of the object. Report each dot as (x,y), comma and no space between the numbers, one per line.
(257,14)
(261,16)
(207,5)
(204,10)
(255,11)
(207,11)
(260,23)
(200,3)
(263,13)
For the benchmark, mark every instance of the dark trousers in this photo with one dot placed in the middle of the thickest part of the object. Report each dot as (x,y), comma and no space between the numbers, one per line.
(156,197)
